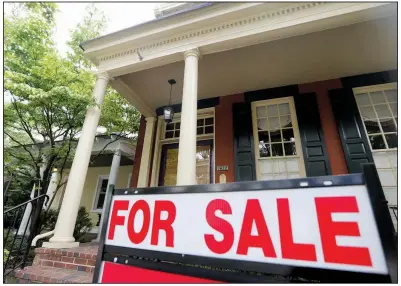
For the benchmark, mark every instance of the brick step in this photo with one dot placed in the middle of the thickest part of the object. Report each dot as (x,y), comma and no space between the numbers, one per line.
(45,274)
(67,259)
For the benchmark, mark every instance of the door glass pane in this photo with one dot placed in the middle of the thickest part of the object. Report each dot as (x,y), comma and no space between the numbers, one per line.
(203,154)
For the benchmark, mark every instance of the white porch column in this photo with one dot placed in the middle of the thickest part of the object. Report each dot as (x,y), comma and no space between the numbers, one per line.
(144,168)
(55,179)
(115,165)
(186,169)
(63,232)
(26,219)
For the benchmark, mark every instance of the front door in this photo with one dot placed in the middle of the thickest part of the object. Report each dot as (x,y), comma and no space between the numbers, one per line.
(169,162)
(278,149)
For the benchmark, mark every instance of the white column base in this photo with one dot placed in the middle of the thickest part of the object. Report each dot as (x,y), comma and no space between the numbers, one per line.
(58,245)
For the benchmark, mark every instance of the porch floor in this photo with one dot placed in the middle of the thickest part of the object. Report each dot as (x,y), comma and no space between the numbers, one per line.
(73,265)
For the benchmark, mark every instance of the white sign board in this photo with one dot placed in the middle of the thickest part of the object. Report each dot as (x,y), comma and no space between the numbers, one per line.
(328,227)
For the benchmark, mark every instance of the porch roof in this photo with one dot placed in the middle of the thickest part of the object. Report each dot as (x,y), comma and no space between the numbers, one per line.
(248,46)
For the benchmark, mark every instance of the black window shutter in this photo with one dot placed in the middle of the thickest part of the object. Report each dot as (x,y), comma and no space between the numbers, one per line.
(312,139)
(350,128)
(244,155)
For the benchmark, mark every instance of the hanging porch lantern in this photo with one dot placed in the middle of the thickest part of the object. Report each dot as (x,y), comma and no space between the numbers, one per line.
(168,110)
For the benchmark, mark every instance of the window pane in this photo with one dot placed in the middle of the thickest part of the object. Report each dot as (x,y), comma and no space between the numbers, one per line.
(277,149)
(393,107)
(391,140)
(203,165)
(290,149)
(274,123)
(169,134)
(264,136)
(284,108)
(367,113)
(209,121)
(261,111)
(275,136)
(388,125)
(178,125)
(288,135)
(391,95)
(382,111)
(272,110)
(262,124)
(363,99)
(177,133)
(103,188)
(372,127)
(200,122)
(285,121)
(377,97)
(199,131)
(170,126)
(377,142)
(100,201)
(263,144)
(208,129)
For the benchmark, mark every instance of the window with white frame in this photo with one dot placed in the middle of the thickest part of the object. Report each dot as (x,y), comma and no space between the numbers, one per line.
(277,139)
(100,194)
(378,110)
(204,126)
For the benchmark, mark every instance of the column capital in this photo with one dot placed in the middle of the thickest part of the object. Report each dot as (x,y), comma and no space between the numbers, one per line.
(103,75)
(193,52)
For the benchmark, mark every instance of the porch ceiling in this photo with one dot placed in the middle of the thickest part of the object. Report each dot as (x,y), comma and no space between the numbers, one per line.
(356,49)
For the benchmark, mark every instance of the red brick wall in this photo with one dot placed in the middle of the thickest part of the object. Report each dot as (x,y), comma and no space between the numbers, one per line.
(224,144)
(333,142)
(138,152)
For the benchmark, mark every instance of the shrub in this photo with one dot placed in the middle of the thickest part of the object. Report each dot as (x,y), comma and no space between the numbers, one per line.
(82,226)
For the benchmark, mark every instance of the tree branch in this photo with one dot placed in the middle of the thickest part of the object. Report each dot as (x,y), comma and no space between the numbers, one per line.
(100,152)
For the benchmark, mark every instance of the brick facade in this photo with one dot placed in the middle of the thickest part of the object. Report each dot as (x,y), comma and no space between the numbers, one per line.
(224,145)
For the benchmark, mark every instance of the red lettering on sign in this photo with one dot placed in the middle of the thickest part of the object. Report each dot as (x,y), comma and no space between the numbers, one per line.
(330,229)
(166,225)
(219,224)
(290,249)
(138,237)
(115,218)
(253,213)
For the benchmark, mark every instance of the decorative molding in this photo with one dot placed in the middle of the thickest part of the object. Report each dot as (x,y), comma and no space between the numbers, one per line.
(103,75)
(193,52)
(227,26)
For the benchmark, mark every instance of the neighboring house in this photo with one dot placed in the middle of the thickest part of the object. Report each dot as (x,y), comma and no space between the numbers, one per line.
(264,91)
(98,173)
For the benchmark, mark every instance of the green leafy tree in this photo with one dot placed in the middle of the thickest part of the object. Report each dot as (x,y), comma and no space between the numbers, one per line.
(48,94)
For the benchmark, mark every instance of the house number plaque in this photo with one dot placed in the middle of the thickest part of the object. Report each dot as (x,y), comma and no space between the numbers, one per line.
(222,168)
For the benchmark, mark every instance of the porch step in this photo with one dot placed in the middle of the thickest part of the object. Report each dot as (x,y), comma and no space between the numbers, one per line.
(72,259)
(45,274)
(74,265)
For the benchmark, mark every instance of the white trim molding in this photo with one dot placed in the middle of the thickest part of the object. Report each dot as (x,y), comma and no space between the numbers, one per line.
(144,168)
(259,23)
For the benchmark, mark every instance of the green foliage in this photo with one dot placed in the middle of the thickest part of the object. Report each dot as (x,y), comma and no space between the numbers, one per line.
(6,253)
(83,225)
(48,94)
